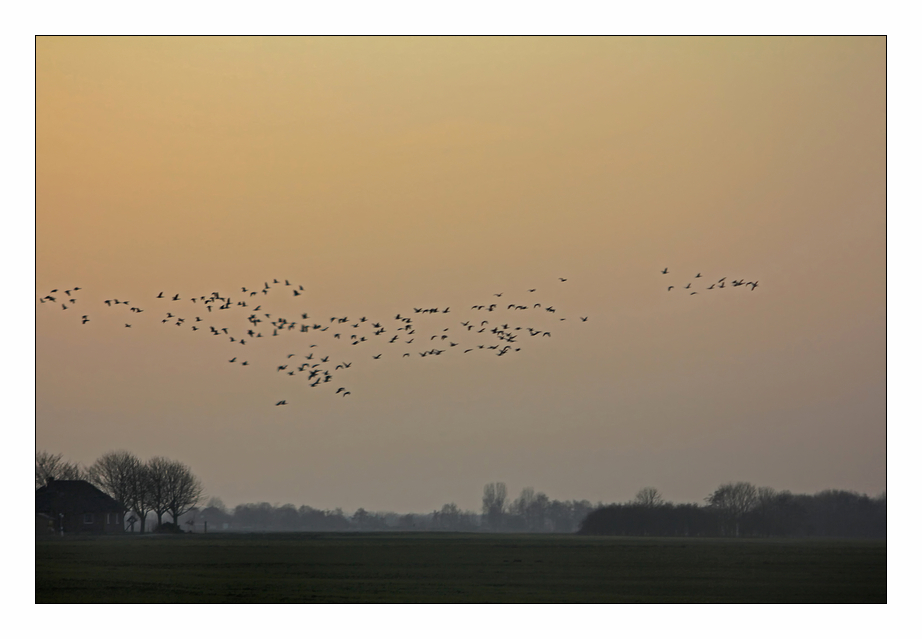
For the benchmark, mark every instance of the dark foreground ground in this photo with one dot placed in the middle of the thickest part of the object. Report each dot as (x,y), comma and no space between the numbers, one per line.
(409,567)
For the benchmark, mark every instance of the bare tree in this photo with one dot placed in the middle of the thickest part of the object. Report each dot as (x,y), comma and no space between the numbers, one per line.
(449,518)
(184,490)
(649,497)
(125,478)
(158,470)
(533,508)
(494,501)
(139,495)
(114,474)
(734,501)
(49,466)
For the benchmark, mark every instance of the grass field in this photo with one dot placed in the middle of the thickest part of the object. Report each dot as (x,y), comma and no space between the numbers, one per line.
(410,567)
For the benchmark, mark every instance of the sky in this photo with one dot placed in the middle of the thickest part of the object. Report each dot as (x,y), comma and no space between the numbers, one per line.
(385,175)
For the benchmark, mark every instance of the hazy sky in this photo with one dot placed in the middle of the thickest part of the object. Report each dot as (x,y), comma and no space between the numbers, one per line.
(387,174)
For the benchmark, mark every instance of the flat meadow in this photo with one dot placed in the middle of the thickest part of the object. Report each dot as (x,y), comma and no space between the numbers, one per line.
(431,567)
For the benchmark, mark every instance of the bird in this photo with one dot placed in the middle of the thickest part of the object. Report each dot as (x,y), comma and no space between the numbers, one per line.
(670,288)
(665,270)
(585,319)
(161,294)
(176,297)
(562,279)
(127,325)
(281,403)
(232,360)
(698,275)
(85,319)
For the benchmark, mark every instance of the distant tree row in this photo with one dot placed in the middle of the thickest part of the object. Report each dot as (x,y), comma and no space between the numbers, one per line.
(742,510)
(530,512)
(160,486)
(163,486)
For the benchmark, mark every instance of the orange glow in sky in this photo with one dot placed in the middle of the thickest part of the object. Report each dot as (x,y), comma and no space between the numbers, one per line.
(387,174)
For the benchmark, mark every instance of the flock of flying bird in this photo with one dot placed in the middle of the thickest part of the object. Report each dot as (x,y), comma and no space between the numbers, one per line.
(498,326)
(721,283)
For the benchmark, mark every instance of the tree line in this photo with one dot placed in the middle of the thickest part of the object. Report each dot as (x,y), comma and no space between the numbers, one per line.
(743,510)
(160,486)
(531,512)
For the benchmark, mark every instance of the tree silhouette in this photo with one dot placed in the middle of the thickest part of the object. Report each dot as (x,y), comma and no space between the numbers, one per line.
(649,497)
(116,473)
(733,501)
(48,465)
(183,490)
(494,501)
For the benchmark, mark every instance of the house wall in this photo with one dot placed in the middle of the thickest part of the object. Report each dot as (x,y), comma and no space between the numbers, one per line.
(74,523)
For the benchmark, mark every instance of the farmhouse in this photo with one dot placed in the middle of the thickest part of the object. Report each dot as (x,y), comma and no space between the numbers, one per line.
(79,507)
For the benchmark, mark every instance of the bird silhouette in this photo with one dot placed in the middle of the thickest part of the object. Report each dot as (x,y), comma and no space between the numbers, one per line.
(281,403)
(665,270)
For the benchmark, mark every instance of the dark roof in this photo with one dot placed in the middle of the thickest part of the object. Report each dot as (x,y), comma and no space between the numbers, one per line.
(73,496)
